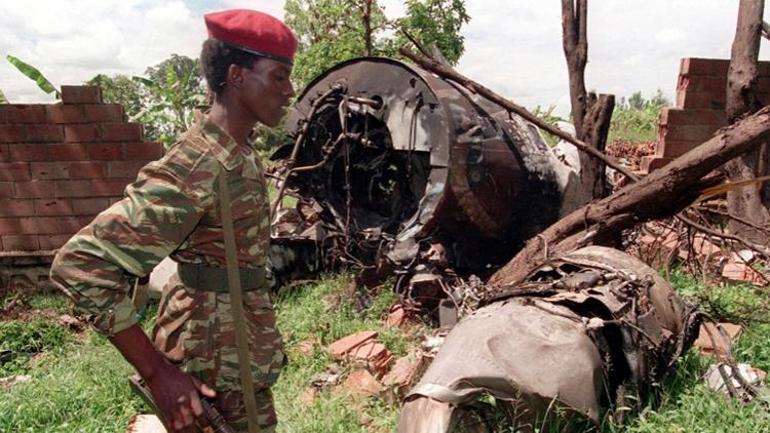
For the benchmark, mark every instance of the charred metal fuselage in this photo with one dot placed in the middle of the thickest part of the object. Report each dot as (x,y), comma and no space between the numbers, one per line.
(401,156)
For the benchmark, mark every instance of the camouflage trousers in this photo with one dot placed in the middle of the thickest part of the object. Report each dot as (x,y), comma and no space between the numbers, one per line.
(195,329)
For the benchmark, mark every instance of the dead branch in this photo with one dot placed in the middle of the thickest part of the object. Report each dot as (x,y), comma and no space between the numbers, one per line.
(574,14)
(702,228)
(663,193)
(450,74)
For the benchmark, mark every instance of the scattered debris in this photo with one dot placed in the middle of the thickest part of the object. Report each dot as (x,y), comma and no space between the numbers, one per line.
(7,383)
(361,382)
(705,343)
(308,396)
(340,348)
(403,373)
(306,347)
(737,271)
(329,377)
(145,424)
(362,349)
(716,379)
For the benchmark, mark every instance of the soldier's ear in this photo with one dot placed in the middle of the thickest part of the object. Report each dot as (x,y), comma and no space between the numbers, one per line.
(235,76)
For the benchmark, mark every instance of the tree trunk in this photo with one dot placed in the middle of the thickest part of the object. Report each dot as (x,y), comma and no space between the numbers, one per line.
(574,14)
(590,115)
(750,202)
(662,193)
(367,17)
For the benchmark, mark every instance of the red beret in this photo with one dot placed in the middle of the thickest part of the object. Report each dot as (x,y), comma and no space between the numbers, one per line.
(254,32)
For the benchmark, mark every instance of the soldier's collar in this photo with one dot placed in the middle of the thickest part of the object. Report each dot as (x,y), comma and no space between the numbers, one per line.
(223,147)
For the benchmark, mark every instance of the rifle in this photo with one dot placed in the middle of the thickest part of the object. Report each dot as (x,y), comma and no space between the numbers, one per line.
(216,422)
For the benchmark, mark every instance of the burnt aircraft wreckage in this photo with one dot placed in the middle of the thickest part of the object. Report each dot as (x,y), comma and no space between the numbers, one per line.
(403,173)
(398,162)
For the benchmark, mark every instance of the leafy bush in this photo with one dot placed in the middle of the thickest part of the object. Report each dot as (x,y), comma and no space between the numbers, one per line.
(636,119)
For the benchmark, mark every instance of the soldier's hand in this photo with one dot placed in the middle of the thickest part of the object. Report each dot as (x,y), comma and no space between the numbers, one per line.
(177,395)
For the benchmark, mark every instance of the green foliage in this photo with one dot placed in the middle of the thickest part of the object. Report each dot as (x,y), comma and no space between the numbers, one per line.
(33,74)
(20,340)
(636,119)
(332,31)
(3,99)
(435,23)
(163,101)
(546,114)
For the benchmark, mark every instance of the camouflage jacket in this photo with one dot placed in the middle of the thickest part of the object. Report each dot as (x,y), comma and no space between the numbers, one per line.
(171,208)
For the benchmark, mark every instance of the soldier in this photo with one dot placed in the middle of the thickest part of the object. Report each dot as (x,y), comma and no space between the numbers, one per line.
(174,208)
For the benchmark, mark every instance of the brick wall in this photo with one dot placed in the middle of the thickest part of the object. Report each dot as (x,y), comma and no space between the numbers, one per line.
(700,108)
(61,164)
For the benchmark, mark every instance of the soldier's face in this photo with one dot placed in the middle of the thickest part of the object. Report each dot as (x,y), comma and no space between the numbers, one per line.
(267,90)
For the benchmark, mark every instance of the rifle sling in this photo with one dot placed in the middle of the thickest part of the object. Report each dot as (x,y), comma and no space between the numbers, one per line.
(236,299)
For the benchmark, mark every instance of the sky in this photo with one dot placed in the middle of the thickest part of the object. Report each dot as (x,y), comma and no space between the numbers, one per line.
(513,47)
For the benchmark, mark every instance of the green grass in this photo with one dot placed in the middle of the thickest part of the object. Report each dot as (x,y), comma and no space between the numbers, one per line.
(312,312)
(80,386)
(22,340)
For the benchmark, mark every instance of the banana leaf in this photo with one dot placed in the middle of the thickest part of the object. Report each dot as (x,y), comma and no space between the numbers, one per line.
(34,74)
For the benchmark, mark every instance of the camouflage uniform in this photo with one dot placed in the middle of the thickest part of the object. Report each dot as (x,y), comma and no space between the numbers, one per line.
(173,208)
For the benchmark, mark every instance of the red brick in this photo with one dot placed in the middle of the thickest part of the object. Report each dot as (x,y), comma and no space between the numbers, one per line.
(53,242)
(345,345)
(651,163)
(89,206)
(122,132)
(14,171)
(764,97)
(698,66)
(53,207)
(6,190)
(11,226)
(20,243)
(34,189)
(68,152)
(4,153)
(717,86)
(14,207)
(50,170)
(147,151)
(105,151)
(91,188)
(124,168)
(699,133)
(104,113)
(44,133)
(676,116)
(81,94)
(28,152)
(57,225)
(19,113)
(699,100)
(87,170)
(12,133)
(81,133)
(39,225)
(59,113)
(675,148)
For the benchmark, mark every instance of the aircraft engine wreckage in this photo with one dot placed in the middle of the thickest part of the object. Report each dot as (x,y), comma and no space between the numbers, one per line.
(400,172)
(592,327)
(399,163)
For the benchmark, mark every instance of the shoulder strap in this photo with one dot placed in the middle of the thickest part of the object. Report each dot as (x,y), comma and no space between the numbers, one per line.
(236,299)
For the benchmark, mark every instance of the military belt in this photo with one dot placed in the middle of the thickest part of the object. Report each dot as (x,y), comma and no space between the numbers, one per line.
(213,279)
